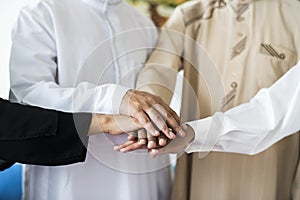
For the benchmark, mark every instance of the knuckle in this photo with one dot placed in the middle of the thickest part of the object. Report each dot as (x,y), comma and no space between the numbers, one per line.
(138,107)
(165,129)
(147,106)
(177,128)
(157,118)
(169,116)
(137,114)
(145,121)
(153,100)
(158,98)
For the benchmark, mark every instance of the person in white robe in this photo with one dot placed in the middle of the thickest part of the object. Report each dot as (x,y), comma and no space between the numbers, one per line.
(84,56)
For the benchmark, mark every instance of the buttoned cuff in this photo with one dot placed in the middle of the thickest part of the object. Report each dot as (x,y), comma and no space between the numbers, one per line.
(207,132)
(117,98)
(201,128)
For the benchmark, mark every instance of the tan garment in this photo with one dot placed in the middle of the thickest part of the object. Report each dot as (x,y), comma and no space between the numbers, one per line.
(249,45)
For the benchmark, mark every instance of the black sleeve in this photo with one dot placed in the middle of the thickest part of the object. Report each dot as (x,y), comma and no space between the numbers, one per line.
(32,135)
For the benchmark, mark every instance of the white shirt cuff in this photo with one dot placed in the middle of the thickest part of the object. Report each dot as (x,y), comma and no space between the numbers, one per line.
(117,98)
(200,128)
(207,134)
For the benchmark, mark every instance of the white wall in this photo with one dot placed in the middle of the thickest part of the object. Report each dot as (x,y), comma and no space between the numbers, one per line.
(9,10)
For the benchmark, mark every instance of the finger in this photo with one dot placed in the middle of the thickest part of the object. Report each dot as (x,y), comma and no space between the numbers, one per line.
(132,135)
(171,111)
(146,123)
(153,152)
(162,140)
(121,146)
(142,136)
(170,120)
(132,147)
(184,126)
(160,122)
(175,116)
(151,141)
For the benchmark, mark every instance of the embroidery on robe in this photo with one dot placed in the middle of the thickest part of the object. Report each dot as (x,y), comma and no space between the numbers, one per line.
(239,48)
(229,97)
(240,11)
(269,50)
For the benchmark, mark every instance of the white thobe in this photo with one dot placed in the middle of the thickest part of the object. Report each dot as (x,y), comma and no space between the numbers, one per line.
(83,56)
(274,113)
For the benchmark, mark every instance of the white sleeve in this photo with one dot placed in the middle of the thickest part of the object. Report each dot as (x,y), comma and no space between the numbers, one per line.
(271,115)
(33,68)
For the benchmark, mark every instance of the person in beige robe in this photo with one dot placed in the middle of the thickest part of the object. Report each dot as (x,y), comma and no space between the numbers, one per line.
(228,50)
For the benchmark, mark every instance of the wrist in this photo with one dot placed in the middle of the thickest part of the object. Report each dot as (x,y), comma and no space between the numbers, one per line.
(99,124)
(93,126)
(191,136)
(123,109)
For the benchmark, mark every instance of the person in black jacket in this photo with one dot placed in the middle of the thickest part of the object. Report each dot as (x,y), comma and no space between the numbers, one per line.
(33,135)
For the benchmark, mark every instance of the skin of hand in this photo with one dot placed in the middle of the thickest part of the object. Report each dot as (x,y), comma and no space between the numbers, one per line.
(152,113)
(113,124)
(142,142)
(178,145)
(132,143)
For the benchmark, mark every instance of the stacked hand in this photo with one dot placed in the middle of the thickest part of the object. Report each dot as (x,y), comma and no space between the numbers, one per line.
(149,122)
(161,124)
(160,145)
(152,113)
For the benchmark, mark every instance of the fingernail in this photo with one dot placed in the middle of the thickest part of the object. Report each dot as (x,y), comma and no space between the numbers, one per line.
(184,126)
(151,144)
(116,148)
(156,133)
(181,133)
(130,137)
(142,141)
(155,151)
(162,142)
(122,150)
(172,135)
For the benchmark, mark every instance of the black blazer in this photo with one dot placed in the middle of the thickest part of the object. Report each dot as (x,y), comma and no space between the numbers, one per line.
(32,135)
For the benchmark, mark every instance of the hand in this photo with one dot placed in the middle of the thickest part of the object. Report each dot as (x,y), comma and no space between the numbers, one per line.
(113,124)
(141,142)
(179,144)
(152,113)
(133,142)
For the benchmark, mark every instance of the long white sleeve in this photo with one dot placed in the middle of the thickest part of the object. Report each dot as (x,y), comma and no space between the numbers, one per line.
(34,71)
(271,115)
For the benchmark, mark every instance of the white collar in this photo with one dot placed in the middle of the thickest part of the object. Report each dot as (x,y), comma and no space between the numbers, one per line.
(101,3)
(240,1)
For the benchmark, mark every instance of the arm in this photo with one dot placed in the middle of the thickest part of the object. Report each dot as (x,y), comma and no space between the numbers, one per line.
(38,136)
(33,70)
(158,76)
(271,115)
(249,128)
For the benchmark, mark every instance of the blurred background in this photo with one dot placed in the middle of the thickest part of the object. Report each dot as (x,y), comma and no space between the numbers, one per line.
(157,10)
(11,179)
